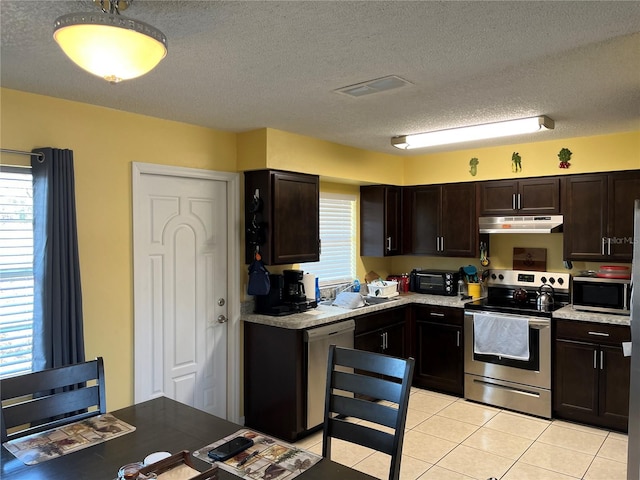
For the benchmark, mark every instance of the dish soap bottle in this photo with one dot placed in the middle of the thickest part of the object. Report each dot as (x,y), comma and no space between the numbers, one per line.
(462,288)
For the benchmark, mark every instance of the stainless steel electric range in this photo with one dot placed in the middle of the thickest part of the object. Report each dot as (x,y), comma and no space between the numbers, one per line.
(508,340)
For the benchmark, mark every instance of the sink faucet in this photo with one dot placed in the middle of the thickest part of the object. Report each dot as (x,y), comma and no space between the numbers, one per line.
(343,288)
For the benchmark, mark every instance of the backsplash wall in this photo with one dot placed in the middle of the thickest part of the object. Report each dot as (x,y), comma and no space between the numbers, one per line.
(500,255)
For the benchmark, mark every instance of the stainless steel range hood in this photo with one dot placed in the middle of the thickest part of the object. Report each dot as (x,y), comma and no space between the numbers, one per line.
(523,224)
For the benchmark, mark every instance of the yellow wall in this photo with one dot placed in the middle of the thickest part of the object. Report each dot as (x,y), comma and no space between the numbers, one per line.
(589,154)
(106,141)
(288,151)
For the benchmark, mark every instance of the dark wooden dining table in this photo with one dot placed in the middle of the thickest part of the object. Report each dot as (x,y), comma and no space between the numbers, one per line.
(161,424)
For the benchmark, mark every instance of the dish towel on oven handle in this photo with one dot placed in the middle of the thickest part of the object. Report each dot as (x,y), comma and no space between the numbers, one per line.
(501,335)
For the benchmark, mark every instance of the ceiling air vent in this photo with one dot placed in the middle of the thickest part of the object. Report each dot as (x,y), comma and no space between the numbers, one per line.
(373,86)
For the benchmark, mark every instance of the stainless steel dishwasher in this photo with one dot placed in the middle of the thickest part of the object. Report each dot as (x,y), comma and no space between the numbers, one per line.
(318,341)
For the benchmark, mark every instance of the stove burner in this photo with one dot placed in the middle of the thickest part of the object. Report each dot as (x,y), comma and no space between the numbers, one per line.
(515,292)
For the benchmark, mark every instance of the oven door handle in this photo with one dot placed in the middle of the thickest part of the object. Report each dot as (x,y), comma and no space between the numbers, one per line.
(510,389)
(539,323)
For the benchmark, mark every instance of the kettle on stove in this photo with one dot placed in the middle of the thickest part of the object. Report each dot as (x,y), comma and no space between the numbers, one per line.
(545,299)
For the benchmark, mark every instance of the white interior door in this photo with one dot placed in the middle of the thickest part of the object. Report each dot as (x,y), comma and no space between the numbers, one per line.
(181,270)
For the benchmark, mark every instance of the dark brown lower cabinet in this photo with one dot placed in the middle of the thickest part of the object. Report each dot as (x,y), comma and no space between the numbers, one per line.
(439,349)
(591,376)
(274,380)
(383,332)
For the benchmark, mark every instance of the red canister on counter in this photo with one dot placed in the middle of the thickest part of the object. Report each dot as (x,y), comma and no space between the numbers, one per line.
(403,282)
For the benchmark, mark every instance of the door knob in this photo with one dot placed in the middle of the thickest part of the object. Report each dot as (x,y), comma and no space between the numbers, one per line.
(222,319)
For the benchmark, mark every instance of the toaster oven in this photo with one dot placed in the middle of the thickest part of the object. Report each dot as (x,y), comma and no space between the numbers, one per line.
(434,282)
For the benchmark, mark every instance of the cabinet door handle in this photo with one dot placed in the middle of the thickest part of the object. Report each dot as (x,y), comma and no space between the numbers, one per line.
(442,244)
(595,359)
(519,202)
(458,338)
(382,341)
(388,244)
(601,360)
(436,314)
(604,239)
(599,334)
(513,201)
(608,246)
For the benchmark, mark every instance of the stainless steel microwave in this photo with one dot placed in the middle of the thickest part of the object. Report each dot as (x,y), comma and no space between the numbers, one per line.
(608,295)
(435,282)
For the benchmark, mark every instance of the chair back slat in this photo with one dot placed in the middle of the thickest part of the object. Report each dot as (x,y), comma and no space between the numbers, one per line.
(50,379)
(365,410)
(370,386)
(371,362)
(368,437)
(371,377)
(38,409)
(38,401)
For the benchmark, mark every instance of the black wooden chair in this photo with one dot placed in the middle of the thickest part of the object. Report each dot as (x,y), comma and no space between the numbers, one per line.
(369,377)
(38,401)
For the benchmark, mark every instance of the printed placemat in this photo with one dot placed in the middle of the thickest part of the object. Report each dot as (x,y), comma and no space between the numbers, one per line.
(53,443)
(267,458)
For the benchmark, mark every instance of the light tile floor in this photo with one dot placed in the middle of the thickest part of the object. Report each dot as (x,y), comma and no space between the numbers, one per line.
(448,438)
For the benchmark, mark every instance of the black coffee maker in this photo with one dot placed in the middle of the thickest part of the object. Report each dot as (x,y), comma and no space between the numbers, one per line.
(286,295)
(273,302)
(293,287)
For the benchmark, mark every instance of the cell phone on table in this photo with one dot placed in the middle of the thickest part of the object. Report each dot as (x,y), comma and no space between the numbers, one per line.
(229,449)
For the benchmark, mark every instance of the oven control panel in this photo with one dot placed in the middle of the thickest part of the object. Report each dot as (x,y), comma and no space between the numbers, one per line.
(523,278)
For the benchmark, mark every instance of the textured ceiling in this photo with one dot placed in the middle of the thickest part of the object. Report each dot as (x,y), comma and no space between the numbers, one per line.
(242,65)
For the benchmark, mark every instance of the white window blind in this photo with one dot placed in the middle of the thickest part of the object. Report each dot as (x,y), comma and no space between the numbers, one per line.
(337,240)
(16,271)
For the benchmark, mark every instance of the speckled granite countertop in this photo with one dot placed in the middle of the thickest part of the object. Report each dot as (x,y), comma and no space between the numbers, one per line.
(325,314)
(569,313)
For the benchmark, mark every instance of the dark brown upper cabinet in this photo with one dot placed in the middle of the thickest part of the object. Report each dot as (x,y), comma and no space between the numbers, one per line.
(530,196)
(380,220)
(441,220)
(598,216)
(285,216)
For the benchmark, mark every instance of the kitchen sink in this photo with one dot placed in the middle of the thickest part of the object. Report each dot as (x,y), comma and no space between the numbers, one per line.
(378,300)
(326,302)
(353,301)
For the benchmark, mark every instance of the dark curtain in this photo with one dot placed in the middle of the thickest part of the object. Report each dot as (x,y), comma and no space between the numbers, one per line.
(57,311)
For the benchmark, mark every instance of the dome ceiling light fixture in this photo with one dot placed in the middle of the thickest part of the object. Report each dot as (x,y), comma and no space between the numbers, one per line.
(475,132)
(109,45)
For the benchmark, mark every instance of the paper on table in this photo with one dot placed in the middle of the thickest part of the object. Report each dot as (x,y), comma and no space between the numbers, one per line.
(275,459)
(43,446)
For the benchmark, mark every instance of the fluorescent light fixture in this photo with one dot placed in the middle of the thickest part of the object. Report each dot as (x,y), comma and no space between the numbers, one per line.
(109,45)
(476,132)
